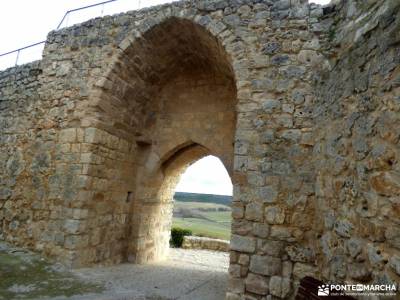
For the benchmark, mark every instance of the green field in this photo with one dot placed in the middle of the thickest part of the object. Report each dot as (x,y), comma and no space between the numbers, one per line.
(220,217)
(201,227)
(198,205)
(203,218)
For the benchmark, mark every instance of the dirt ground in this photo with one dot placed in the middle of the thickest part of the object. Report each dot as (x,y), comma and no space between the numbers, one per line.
(186,274)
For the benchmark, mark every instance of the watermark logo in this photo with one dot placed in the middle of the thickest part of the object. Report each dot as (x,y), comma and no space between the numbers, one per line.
(323,290)
(357,290)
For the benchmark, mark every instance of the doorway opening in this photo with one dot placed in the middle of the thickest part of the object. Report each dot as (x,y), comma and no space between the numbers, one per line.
(202,200)
(202,212)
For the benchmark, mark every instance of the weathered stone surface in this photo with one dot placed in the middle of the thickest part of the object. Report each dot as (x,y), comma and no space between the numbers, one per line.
(268,194)
(265,265)
(274,215)
(271,248)
(301,254)
(254,212)
(299,101)
(301,270)
(354,246)
(257,284)
(279,286)
(242,243)
(67,135)
(386,183)
(244,259)
(271,47)
(236,285)
(231,296)
(237,210)
(234,270)
(343,228)
(195,242)
(281,233)
(360,272)
(395,264)
(260,230)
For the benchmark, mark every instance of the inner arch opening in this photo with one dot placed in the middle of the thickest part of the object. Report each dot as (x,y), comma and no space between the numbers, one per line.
(202,212)
(202,202)
(208,175)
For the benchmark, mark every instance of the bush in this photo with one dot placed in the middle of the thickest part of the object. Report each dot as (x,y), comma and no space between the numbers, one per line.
(177,235)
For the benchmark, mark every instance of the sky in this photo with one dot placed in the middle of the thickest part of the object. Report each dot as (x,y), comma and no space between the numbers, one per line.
(208,175)
(24,22)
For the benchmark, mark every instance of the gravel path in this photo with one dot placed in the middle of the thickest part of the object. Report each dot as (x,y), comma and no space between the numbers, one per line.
(186,275)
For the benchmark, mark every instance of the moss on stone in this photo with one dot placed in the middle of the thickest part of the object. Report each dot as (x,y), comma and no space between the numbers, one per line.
(28,276)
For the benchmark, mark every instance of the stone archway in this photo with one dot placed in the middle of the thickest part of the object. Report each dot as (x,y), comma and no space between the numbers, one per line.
(130,122)
(152,211)
(172,95)
(315,159)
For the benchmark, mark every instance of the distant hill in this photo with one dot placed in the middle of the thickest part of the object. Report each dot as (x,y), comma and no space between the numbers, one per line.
(205,198)
(204,214)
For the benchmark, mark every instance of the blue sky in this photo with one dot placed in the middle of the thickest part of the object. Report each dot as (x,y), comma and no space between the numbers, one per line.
(25,22)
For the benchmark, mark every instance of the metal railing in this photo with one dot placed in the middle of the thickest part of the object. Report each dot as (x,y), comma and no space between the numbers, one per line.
(34,51)
(18,52)
(82,8)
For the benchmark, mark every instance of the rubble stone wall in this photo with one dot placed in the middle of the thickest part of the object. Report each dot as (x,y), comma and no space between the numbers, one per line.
(357,151)
(300,103)
(204,243)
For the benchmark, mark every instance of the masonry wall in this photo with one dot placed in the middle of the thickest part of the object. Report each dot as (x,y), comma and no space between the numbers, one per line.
(21,166)
(32,213)
(304,114)
(357,118)
(18,99)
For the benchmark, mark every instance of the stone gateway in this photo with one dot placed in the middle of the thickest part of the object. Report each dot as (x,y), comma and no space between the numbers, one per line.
(300,102)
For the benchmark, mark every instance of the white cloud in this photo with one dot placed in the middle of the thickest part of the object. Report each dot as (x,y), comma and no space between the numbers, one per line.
(208,175)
